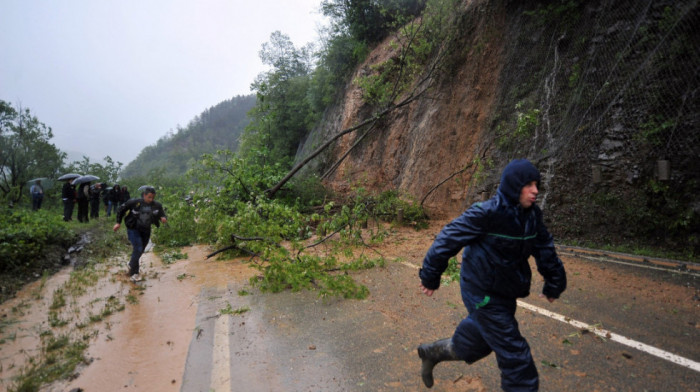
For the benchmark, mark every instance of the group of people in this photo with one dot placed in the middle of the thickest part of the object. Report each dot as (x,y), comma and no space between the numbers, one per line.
(88,197)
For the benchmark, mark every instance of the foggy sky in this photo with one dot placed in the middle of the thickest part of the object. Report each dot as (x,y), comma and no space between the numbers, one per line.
(112,77)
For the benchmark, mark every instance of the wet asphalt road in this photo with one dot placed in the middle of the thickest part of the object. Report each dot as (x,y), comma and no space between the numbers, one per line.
(298,342)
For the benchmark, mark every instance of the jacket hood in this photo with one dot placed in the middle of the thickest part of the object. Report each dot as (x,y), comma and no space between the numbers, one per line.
(515,176)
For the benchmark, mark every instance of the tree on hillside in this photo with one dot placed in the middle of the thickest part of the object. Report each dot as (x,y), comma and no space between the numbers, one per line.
(356,26)
(25,151)
(107,172)
(421,47)
(288,98)
(283,114)
(370,21)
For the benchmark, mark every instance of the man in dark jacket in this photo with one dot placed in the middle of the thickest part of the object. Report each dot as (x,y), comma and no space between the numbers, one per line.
(83,195)
(113,199)
(498,237)
(68,197)
(139,215)
(95,192)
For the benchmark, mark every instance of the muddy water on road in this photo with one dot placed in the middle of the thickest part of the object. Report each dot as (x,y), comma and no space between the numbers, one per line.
(33,313)
(144,347)
(24,318)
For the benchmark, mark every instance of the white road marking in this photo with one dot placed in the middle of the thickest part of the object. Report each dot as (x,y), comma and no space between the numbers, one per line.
(685,362)
(221,361)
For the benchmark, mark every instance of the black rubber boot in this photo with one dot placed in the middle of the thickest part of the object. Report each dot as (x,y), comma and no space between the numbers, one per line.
(431,354)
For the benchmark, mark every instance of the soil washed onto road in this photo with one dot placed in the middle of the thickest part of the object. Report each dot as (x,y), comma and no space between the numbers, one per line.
(198,325)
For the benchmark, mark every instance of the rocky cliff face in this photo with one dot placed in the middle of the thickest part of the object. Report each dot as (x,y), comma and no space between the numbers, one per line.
(599,94)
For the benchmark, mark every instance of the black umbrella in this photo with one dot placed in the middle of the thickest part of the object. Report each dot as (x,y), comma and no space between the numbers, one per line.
(68,176)
(85,178)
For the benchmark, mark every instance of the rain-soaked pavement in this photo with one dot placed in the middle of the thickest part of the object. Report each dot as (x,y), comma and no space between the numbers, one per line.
(199,326)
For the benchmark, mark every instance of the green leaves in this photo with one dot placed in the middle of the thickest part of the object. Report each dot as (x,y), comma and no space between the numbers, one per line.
(283,114)
(228,310)
(452,272)
(107,172)
(295,243)
(24,236)
(370,21)
(25,151)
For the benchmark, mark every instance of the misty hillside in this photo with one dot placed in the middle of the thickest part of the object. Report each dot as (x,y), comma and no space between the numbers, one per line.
(217,128)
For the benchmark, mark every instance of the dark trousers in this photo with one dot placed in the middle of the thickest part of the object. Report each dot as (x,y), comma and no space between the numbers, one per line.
(139,240)
(95,208)
(68,210)
(83,210)
(111,205)
(491,326)
(36,201)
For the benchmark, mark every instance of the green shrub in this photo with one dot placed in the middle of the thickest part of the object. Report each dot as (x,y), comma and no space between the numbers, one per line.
(25,236)
(181,227)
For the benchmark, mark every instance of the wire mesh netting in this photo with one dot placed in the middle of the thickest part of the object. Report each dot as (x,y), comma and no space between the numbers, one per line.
(613,91)
(637,85)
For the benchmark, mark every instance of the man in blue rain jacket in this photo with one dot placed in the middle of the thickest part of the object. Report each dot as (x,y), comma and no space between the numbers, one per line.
(498,237)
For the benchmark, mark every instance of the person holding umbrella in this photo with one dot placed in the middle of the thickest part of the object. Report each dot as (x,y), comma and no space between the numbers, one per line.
(95,192)
(83,202)
(105,197)
(83,184)
(68,195)
(139,215)
(37,195)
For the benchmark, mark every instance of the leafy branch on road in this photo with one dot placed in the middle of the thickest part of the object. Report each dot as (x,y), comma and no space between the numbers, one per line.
(297,241)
